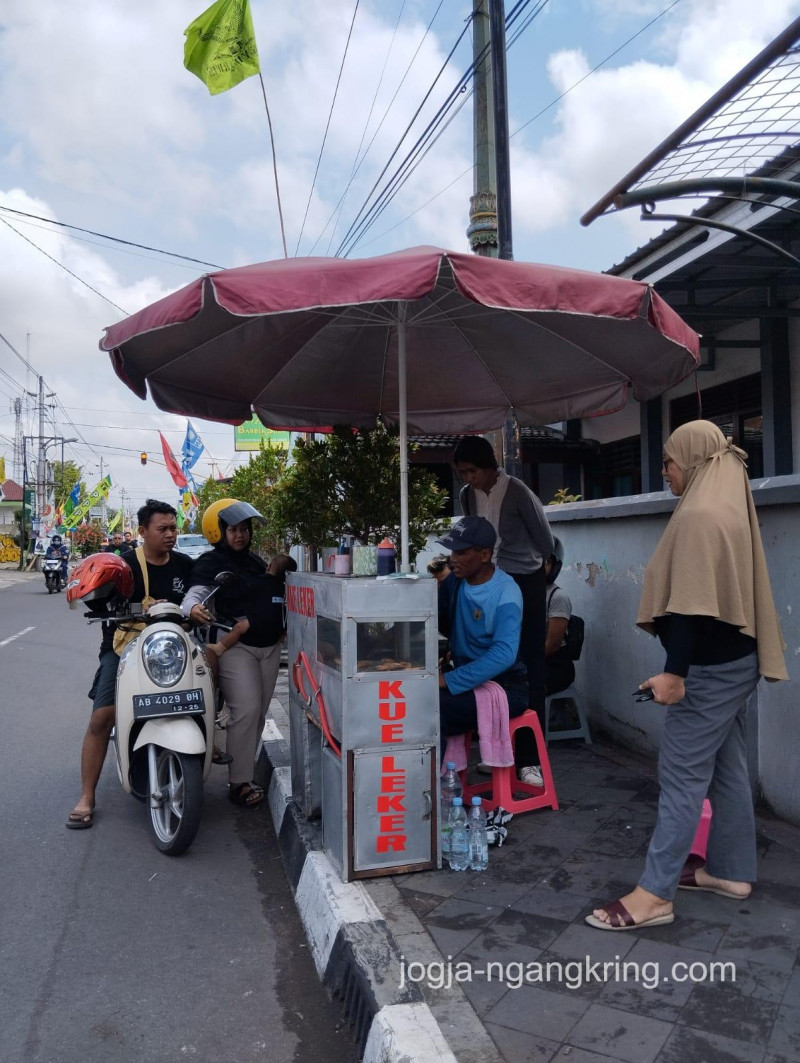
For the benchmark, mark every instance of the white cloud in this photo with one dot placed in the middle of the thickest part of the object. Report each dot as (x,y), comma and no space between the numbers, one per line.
(100,125)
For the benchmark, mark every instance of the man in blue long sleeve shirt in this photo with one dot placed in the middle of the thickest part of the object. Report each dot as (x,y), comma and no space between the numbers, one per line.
(482,609)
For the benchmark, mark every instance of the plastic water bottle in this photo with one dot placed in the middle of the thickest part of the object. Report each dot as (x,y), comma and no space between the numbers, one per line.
(387,557)
(450,788)
(478,842)
(459,837)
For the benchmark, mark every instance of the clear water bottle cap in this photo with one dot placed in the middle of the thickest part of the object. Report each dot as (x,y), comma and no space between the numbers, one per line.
(451,765)
(458,801)
(476,801)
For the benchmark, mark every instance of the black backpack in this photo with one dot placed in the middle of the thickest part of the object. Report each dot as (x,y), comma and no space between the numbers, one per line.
(574,634)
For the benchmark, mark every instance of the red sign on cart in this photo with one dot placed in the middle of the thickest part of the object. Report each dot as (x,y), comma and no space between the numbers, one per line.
(390,805)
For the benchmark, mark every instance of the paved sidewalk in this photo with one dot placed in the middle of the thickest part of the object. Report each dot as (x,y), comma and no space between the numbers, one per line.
(527,910)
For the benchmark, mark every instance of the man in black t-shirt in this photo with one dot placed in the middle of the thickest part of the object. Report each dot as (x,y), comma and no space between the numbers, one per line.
(168,578)
(116,546)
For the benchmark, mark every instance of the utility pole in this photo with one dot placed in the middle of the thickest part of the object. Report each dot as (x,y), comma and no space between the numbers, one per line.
(497,25)
(482,229)
(489,231)
(41,467)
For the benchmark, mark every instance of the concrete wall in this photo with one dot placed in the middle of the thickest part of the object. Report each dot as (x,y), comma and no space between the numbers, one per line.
(608,544)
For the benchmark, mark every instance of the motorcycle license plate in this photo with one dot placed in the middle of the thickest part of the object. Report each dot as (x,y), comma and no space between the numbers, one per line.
(181,702)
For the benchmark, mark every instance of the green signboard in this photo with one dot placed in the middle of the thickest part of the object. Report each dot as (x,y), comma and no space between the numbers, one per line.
(251,434)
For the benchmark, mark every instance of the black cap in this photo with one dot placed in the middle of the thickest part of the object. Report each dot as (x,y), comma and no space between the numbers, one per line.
(470,531)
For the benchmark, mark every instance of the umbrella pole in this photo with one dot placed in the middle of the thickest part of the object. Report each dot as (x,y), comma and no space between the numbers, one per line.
(405,563)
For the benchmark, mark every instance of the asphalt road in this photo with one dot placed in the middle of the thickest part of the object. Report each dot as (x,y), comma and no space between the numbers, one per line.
(109,950)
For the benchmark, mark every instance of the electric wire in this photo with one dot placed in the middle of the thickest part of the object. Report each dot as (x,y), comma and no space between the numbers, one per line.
(61,264)
(430,136)
(112,239)
(327,125)
(340,205)
(383,119)
(469,169)
(596,68)
(347,237)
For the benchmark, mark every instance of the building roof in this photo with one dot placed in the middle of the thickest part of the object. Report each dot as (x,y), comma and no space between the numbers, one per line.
(12,491)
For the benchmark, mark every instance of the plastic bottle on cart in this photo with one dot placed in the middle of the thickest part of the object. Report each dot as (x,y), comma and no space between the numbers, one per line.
(478,842)
(450,788)
(387,556)
(459,837)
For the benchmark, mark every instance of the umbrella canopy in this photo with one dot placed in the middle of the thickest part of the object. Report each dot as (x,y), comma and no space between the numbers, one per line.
(314,341)
(428,340)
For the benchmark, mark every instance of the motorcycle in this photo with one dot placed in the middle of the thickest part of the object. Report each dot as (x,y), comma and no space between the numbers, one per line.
(164,723)
(51,567)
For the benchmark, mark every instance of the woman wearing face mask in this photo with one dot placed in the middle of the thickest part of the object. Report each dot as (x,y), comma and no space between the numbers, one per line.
(706,595)
(247,670)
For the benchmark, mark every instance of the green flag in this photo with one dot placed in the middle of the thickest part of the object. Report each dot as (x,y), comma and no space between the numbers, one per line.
(221,46)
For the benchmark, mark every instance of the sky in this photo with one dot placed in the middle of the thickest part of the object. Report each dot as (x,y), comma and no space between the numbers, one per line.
(103,128)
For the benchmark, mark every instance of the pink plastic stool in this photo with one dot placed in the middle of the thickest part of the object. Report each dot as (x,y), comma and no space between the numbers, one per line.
(504,782)
(700,842)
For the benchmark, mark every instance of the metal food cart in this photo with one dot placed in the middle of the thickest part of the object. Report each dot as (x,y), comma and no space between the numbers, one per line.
(364,712)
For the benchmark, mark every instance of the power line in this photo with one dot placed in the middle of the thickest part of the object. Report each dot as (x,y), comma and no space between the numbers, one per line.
(327,125)
(61,264)
(596,68)
(426,97)
(356,162)
(552,103)
(112,239)
(430,136)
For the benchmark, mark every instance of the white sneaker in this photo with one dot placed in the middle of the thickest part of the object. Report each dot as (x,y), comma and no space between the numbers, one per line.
(532,776)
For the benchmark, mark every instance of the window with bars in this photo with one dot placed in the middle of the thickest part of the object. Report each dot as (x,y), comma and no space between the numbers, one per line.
(615,470)
(736,408)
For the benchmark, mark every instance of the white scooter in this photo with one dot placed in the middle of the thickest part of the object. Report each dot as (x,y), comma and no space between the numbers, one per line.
(164,731)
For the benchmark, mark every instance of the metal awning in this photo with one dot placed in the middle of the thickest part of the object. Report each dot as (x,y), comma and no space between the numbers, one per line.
(737,256)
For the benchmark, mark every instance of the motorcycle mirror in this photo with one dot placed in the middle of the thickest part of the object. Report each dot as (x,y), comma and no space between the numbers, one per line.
(220,580)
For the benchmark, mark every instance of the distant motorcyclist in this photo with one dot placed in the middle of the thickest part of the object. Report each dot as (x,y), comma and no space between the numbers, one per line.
(58,548)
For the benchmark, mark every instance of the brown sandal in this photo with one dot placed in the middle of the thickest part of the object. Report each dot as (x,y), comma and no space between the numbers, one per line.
(80,819)
(246,795)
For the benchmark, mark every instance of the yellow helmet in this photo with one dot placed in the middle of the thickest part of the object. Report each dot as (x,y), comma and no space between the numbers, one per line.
(224,512)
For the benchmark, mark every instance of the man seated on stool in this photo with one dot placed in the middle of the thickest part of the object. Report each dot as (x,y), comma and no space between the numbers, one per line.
(481,608)
(560,669)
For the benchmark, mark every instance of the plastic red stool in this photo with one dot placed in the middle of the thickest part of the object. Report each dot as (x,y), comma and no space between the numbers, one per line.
(504,782)
(700,842)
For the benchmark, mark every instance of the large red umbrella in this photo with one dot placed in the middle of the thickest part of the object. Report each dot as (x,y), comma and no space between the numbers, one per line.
(429,340)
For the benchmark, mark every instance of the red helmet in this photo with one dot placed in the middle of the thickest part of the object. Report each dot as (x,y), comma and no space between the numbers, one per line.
(99,576)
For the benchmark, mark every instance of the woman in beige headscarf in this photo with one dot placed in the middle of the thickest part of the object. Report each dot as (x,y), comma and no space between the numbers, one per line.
(706,594)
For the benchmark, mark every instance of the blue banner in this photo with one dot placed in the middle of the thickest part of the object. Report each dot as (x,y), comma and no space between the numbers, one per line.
(192,448)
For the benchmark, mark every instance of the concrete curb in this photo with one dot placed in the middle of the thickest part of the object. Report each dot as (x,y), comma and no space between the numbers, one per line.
(354,951)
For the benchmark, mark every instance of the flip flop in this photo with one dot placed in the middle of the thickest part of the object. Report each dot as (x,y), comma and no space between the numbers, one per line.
(246,795)
(689,882)
(621,919)
(80,819)
(218,757)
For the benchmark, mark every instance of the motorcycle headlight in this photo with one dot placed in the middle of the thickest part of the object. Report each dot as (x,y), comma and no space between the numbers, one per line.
(164,657)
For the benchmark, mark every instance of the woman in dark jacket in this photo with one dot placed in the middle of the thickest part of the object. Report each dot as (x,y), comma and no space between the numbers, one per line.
(248,670)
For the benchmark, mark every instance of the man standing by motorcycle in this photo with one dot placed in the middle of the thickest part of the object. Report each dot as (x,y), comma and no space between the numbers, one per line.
(58,548)
(168,578)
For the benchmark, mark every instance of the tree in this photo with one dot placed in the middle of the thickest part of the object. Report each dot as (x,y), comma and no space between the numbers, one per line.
(253,483)
(349,484)
(64,477)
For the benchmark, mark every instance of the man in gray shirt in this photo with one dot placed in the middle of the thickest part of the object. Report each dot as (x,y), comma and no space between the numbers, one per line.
(524,542)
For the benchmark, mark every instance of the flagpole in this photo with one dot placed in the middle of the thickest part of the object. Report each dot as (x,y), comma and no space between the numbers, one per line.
(274,165)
